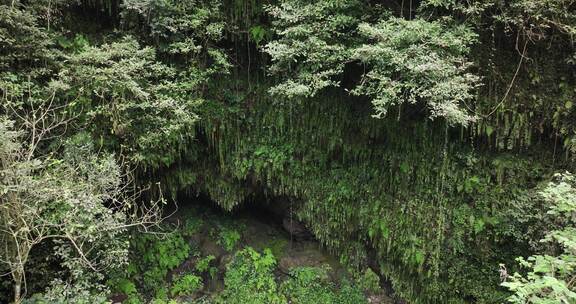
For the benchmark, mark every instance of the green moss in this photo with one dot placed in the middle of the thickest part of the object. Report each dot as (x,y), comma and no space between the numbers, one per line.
(278,246)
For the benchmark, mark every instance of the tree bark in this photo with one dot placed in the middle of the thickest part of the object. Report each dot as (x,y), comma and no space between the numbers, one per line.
(17,288)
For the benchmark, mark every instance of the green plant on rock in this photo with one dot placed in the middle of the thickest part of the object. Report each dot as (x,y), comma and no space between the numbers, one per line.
(367,280)
(277,245)
(155,256)
(228,237)
(258,34)
(186,285)
(126,287)
(249,279)
(203,265)
(192,226)
(311,285)
(308,285)
(348,293)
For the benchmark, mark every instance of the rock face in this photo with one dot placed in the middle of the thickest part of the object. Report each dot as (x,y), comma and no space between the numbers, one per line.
(296,229)
(209,246)
(299,256)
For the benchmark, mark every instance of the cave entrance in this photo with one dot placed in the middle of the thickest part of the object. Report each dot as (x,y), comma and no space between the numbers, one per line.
(279,212)
(262,223)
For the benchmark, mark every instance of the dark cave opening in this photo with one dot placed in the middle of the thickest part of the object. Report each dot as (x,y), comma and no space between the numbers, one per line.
(278,212)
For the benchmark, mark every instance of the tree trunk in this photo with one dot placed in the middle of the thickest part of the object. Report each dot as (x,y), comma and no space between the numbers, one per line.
(17,292)
(17,276)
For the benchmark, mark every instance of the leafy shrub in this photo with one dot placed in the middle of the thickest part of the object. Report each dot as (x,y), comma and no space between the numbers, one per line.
(203,265)
(126,287)
(550,276)
(192,226)
(228,237)
(161,293)
(311,285)
(349,294)
(249,279)
(157,256)
(368,281)
(186,285)
(308,285)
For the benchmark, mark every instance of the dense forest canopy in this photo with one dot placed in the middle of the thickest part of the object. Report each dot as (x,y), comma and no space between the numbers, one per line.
(425,143)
